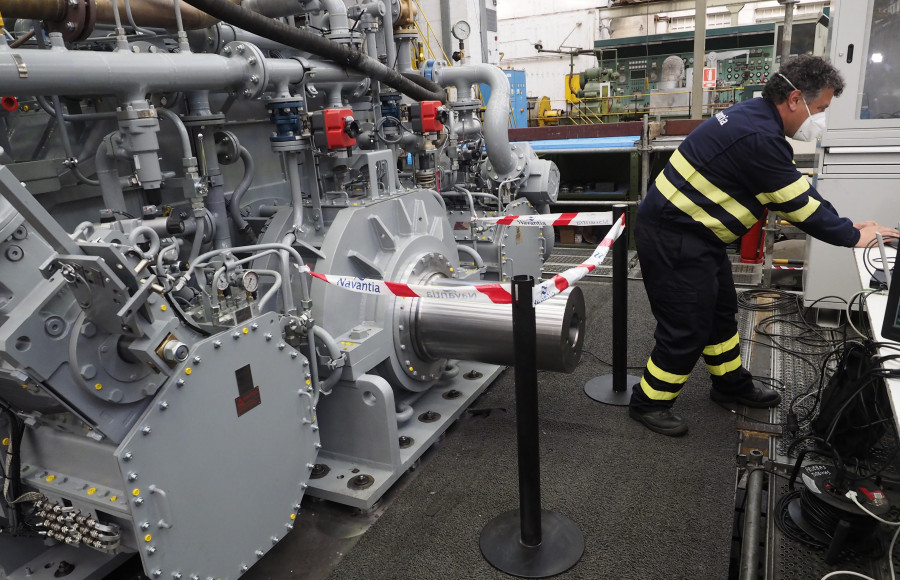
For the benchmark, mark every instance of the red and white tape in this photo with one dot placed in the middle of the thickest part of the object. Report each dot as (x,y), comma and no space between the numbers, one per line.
(490,293)
(553,219)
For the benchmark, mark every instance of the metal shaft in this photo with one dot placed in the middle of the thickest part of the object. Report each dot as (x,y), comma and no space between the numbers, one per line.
(481,332)
(524,340)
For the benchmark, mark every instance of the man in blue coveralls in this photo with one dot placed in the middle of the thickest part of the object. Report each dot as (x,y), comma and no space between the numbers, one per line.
(714,188)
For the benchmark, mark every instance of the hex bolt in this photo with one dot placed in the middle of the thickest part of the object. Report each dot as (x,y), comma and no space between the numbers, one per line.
(240,49)
(132,476)
(70,25)
(254,79)
(226,51)
(247,93)
(274,540)
(145,525)
(252,60)
(281,346)
(310,465)
(180,382)
(217,344)
(289,526)
(176,575)
(236,335)
(197,360)
(138,501)
(268,336)
(254,326)
(244,568)
(294,354)
(151,549)
(157,573)
(163,406)
(127,456)
(145,430)
(259,553)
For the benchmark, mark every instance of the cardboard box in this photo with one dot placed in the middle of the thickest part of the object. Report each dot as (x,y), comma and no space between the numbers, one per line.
(567,235)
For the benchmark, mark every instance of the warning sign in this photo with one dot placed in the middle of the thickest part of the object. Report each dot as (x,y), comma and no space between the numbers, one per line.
(709,78)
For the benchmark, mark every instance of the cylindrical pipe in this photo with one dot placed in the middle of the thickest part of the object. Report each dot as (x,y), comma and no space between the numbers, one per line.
(292,161)
(750,542)
(234,205)
(443,329)
(130,75)
(496,115)
(308,41)
(524,334)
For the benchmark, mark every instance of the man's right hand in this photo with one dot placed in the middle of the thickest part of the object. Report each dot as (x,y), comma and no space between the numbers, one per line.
(867,231)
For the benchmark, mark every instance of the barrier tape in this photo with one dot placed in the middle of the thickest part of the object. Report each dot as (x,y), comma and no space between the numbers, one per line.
(553,219)
(487,293)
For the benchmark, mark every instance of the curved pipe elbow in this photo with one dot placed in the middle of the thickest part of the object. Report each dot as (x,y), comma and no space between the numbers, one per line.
(496,113)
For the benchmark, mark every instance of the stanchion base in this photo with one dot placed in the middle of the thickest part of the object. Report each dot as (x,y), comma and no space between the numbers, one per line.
(561,547)
(601,390)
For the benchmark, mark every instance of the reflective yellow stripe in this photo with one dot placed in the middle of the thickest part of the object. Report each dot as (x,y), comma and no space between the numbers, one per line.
(719,370)
(657,395)
(715,195)
(785,194)
(663,375)
(802,213)
(722,347)
(682,202)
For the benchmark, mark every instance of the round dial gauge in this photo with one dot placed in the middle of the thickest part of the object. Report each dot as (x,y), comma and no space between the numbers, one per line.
(250,281)
(222,282)
(461,30)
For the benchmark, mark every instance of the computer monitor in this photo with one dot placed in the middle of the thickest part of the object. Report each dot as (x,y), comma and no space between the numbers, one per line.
(890,328)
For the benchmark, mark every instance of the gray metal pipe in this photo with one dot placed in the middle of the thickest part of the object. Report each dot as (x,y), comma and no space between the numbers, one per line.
(483,332)
(496,115)
(129,75)
(750,542)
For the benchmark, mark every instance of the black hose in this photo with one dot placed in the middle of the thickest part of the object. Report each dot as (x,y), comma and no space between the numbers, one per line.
(275,30)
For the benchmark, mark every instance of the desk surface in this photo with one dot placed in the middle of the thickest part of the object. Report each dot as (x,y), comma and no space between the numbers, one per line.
(876,305)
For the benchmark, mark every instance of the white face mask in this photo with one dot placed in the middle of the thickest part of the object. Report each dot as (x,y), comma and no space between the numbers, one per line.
(813,127)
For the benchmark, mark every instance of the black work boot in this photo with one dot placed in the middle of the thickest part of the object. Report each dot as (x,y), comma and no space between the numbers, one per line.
(758,397)
(662,421)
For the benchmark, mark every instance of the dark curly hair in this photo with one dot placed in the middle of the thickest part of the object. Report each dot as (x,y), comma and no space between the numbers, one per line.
(810,74)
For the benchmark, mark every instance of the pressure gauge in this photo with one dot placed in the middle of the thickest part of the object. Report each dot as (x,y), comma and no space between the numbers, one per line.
(222,282)
(250,281)
(461,30)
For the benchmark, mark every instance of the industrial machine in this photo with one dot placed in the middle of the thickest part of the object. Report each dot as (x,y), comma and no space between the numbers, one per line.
(652,74)
(173,379)
(860,150)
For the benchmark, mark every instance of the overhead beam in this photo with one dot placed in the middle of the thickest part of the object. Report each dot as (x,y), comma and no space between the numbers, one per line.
(661,7)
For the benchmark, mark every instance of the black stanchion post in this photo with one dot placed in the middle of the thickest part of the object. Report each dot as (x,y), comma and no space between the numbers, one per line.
(529,542)
(613,389)
(525,347)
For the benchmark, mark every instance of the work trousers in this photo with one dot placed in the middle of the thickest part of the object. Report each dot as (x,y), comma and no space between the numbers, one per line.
(692,296)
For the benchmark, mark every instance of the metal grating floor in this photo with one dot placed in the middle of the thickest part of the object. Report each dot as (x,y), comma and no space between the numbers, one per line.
(796,367)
